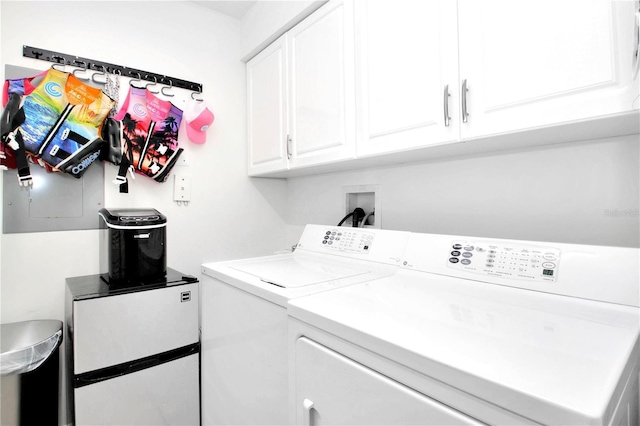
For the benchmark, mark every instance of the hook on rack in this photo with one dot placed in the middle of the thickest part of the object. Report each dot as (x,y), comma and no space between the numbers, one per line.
(195,93)
(137,80)
(155,83)
(103,73)
(36,54)
(165,87)
(57,59)
(84,68)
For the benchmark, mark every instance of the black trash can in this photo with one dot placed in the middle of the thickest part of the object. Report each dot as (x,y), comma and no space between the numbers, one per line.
(29,365)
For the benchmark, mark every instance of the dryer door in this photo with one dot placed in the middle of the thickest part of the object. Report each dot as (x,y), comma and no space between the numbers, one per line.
(332,389)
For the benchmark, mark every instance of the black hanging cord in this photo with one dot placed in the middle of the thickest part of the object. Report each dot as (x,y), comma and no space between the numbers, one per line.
(357,214)
(345,218)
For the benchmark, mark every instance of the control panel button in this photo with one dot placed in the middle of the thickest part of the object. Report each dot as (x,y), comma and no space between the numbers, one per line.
(455,253)
(457,246)
(467,254)
(465,261)
(454,260)
(548,265)
(469,248)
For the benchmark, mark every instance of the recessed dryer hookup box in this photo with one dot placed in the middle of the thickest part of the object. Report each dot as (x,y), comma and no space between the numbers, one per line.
(367,197)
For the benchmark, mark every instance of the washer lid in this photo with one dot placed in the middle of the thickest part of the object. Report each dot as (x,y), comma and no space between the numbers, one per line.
(298,271)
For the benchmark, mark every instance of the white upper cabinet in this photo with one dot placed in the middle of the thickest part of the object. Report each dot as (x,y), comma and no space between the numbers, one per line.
(532,64)
(267,109)
(301,94)
(387,81)
(406,74)
(321,97)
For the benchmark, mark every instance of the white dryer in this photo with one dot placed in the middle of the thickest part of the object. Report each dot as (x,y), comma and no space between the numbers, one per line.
(474,331)
(244,373)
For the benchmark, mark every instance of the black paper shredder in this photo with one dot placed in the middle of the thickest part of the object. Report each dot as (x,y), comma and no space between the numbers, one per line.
(132,245)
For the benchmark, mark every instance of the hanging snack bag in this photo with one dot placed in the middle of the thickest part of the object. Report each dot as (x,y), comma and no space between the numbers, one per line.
(149,128)
(61,122)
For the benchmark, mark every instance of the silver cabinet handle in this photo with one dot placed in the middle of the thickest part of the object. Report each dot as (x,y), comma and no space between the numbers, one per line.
(307,405)
(463,94)
(288,147)
(636,43)
(446,106)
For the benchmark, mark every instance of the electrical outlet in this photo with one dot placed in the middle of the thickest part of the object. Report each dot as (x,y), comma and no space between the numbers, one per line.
(182,188)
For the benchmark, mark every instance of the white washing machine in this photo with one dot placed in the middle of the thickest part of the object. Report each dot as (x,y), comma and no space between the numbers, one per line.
(244,319)
(474,331)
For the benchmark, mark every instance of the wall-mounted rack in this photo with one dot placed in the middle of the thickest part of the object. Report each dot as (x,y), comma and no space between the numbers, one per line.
(100,66)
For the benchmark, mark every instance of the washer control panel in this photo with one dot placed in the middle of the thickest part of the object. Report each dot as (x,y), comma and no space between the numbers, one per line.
(507,261)
(343,239)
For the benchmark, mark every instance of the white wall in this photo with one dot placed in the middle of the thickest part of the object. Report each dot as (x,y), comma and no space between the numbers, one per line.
(584,193)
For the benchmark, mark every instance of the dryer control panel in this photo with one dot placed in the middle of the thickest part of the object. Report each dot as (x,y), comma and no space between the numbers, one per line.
(505,260)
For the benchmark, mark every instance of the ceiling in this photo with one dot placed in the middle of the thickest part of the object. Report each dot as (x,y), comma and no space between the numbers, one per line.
(234,8)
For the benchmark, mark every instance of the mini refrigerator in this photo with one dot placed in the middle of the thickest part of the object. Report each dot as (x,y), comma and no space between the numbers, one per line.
(133,351)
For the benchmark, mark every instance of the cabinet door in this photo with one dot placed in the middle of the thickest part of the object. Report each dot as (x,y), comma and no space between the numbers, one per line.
(344,392)
(528,65)
(267,109)
(321,82)
(406,55)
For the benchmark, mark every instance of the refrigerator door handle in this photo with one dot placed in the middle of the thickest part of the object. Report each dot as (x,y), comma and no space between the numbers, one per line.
(96,376)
